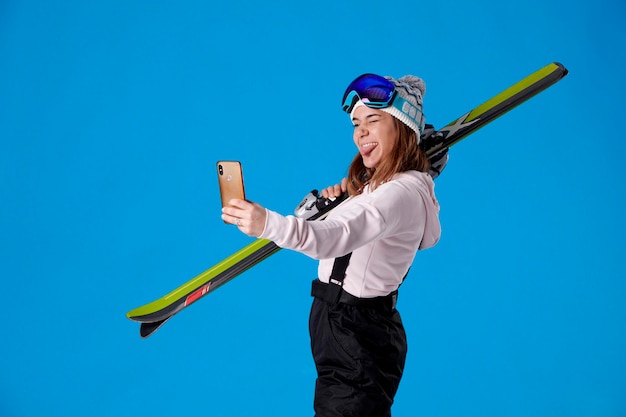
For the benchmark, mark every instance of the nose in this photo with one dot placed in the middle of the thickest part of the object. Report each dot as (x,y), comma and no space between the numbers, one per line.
(360,131)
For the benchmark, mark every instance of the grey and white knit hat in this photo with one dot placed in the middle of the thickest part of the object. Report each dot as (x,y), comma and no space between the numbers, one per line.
(407,104)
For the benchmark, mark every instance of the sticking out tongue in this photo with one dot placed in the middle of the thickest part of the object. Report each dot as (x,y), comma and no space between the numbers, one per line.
(366,150)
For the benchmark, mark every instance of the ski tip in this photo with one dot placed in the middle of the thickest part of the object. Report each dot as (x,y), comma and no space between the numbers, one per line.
(146,329)
(137,314)
(131,315)
(564,71)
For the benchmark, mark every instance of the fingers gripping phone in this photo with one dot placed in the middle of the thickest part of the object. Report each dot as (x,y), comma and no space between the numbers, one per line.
(230,177)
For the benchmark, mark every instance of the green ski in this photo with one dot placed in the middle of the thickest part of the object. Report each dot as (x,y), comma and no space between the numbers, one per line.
(314,208)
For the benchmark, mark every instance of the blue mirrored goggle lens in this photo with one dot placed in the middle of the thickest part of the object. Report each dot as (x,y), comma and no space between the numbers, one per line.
(375,91)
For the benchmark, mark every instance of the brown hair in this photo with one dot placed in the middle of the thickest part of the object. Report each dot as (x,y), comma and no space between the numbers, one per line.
(406,155)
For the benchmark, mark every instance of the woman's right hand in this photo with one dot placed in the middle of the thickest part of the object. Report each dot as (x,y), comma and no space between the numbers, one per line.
(335,190)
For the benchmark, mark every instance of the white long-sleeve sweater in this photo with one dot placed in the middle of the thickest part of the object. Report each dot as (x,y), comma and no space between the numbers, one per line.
(383,229)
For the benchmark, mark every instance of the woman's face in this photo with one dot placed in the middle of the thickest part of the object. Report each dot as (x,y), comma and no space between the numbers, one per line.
(375,134)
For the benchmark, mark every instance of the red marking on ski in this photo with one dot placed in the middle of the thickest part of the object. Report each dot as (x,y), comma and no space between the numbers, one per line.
(197,294)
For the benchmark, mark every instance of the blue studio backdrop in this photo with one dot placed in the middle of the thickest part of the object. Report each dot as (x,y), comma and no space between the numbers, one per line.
(113,114)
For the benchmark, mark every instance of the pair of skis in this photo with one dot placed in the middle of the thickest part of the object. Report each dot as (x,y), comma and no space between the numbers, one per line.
(314,208)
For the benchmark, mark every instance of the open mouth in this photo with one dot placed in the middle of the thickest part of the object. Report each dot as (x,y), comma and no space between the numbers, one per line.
(367,148)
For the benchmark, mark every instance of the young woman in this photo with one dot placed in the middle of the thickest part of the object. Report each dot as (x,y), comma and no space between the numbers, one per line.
(365,248)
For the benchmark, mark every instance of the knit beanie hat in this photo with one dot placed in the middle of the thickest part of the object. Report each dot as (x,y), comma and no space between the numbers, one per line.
(407,104)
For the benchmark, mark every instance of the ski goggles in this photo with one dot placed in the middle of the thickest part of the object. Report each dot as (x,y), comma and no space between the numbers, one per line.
(373,90)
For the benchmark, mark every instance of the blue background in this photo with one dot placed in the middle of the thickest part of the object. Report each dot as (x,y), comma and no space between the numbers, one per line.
(113,114)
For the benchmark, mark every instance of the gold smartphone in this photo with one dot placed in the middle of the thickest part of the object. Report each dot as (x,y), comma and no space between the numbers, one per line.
(230,177)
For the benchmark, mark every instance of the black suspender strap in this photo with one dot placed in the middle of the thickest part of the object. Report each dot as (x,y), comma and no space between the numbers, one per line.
(340,266)
(333,292)
(337,276)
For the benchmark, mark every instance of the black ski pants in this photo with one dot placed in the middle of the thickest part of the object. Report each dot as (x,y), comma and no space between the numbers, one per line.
(359,354)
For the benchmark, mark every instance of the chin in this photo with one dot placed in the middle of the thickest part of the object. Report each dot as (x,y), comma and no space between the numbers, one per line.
(370,165)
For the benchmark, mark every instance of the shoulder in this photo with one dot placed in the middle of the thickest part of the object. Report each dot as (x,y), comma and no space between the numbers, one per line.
(404,190)
(411,183)
(412,188)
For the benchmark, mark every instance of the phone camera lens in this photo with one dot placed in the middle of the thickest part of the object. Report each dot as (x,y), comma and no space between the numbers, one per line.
(221,169)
